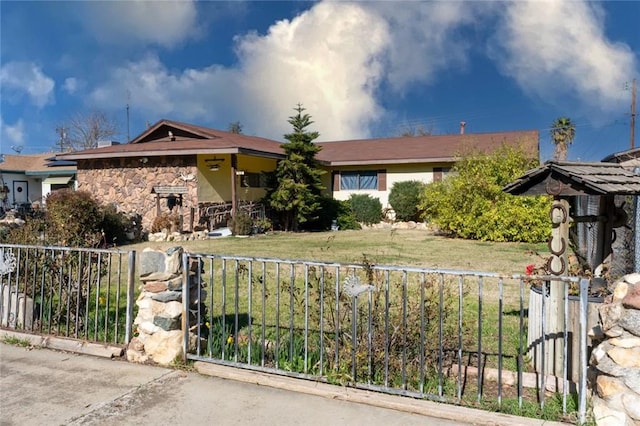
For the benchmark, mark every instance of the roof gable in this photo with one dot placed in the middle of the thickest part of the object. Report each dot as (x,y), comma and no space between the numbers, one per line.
(574,178)
(167,130)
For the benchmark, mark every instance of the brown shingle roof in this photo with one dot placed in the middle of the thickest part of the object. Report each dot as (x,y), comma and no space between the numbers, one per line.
(28,163)
(187,140)
(413,149)
(576,178)
(168,137)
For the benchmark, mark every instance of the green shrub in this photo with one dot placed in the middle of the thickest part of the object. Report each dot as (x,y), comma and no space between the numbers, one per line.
(346,218)
(114,225)
(471,203)
(73,219)
(332,210)
(326,213)
(366,209)
(404,198)
(241,224)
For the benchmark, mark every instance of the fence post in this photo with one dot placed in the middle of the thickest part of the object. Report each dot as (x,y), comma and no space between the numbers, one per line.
(185,306)
(582,385)
(131,282)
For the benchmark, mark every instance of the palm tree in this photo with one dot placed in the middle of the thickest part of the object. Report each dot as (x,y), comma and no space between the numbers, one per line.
(562,133)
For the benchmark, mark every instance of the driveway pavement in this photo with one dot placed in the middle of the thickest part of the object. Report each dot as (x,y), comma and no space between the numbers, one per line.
(47,387)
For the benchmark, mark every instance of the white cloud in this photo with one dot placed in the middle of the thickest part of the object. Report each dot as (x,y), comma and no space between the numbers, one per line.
(72,85)
(27,78)
(165,23)
(14,134)
(155,90)
(318,59)
(425,38)
(328,59)
(335,59)
(556,50)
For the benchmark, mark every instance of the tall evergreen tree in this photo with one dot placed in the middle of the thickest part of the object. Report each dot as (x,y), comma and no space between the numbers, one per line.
(298,176)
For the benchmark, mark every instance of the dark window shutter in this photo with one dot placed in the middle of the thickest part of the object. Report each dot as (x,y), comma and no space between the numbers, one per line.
(437,174)
(336,181)
(382,180)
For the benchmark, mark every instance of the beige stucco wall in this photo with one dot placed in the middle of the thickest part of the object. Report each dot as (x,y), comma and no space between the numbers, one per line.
(128,184)
(395,173)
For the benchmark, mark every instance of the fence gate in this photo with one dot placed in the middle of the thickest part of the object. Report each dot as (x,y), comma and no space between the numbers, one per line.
(85,294)
(457,336)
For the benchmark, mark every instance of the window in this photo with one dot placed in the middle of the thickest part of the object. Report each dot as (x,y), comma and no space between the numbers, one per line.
(440,172)
(364,179)
(254,180)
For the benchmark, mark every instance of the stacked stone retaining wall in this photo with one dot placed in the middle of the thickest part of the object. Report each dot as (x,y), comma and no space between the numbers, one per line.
(615,362)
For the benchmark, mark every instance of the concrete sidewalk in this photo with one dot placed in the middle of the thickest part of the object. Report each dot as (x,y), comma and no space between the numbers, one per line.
(42,386)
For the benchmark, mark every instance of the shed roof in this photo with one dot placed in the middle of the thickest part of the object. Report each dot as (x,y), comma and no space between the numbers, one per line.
(576,178)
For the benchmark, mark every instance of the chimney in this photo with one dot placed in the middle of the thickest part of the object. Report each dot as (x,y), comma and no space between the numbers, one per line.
(462,124)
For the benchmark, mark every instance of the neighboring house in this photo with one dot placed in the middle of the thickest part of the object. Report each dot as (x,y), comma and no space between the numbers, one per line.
(28,179)
(372,166)
(205,168)
(629,159)
(173,164)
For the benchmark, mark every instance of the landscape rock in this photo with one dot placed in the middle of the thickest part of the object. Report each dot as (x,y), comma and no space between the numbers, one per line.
(625,357)
(616,361)
(608,386)
(620,291)
(167,323)
(631,321)
(610,314)
(604,415)
(151,261)
(155,286)
(167,296)
(632,278)
(631,403)
(631,299)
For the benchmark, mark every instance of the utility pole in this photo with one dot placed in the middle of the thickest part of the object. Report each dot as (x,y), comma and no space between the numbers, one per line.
(128,100)
(63,135)
(633,113)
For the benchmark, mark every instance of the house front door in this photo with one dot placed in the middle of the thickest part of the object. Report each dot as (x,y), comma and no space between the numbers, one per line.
(20,192)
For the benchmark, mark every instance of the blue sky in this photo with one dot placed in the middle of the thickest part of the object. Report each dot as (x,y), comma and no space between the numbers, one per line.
(362,69)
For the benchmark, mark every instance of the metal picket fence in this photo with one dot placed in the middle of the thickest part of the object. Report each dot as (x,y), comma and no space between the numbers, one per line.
(85,294)
(446,335)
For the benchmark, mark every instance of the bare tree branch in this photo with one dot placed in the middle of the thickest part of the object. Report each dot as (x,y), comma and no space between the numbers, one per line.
(85,130)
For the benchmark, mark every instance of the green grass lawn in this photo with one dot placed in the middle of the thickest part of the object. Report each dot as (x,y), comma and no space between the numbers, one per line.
(383,247)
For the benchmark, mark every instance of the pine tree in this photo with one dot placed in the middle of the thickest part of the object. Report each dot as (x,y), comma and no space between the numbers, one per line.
(297,193)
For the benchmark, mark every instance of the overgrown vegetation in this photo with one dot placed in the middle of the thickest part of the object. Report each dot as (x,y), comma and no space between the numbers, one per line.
(404,197)
(366,209)
(471,204)
(166,221)
(73,219)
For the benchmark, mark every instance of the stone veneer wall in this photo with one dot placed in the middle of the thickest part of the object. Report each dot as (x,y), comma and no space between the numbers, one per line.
(128,182)
(615,362)
(158,323)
